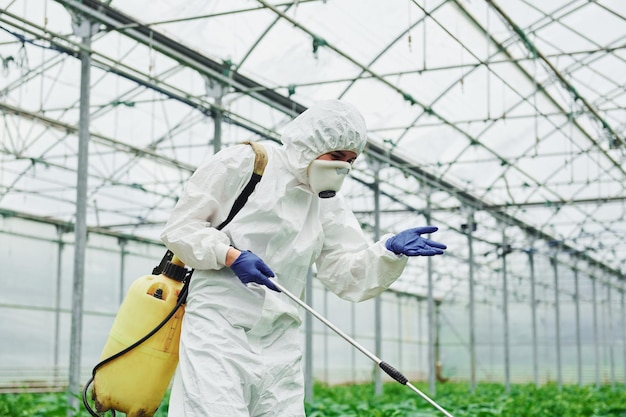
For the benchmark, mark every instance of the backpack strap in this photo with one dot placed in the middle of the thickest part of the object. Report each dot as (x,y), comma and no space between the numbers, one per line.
(260,161)
(260,156)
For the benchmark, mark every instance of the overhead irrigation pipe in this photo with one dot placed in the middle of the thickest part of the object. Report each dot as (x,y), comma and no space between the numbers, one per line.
(390,370)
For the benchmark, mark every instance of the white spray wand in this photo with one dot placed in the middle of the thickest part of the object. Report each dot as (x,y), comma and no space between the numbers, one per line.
(389,370)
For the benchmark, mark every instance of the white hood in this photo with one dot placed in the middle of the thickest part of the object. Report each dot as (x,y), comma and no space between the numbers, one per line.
(326,126)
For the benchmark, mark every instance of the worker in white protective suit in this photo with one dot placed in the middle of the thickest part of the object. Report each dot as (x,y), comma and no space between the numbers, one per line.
(240,352)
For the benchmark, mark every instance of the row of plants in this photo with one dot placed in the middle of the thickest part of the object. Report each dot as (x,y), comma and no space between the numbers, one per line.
(525,400)
(398,400)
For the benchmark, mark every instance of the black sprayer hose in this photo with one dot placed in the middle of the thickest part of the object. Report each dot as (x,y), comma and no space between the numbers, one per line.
(182,297)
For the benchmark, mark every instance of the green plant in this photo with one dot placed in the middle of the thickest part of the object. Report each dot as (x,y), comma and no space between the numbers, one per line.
(524,400)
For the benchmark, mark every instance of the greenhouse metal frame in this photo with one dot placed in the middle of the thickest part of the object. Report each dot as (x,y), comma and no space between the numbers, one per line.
(502,123)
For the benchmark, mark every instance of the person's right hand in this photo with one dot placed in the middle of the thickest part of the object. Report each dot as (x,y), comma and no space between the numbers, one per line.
(250,268)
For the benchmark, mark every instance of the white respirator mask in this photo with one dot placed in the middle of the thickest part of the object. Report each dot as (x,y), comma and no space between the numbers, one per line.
(326,177)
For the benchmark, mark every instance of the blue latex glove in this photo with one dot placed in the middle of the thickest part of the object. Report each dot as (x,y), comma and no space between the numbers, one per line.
(410,243)
(250,268)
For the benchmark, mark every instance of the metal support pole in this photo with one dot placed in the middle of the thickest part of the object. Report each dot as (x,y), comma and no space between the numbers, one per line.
(81,217)
(505,315)
(57,301)
(610,336)
(557,319)
(596,338)
(353,334)
(325,309)
(533,313)
(432,325)
(216,90)
(378,384)
(623,305)
(400,332)
(122,242)
(217,124)
(308,340)
(437,344)
(420,339)
(579,354)
(472,324)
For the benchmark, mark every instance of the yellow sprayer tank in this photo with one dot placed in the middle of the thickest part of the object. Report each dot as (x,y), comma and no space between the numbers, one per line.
(135,382)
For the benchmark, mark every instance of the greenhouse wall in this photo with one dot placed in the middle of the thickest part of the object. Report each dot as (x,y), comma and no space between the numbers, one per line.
(584,345)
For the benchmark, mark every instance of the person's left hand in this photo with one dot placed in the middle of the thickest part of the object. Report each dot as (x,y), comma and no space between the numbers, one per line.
(410,242)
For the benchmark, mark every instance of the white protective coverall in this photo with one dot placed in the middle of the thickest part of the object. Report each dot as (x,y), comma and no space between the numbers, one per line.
(240,352)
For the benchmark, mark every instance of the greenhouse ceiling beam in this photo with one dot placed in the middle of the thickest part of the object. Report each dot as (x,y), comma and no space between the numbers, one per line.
(105,140)
(547,204)
(68,227)
(64,167)
(541,204)
(221,72)
(469,65)
(256,43)
(536,52)
(490,207)
(364,72)
(225,13)
(141,78)
(591,56)
(528,76)
(484,120)
(203,106)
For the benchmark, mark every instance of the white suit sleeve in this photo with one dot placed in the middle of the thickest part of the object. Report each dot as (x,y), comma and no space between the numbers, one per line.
(205,202)
(350,265)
